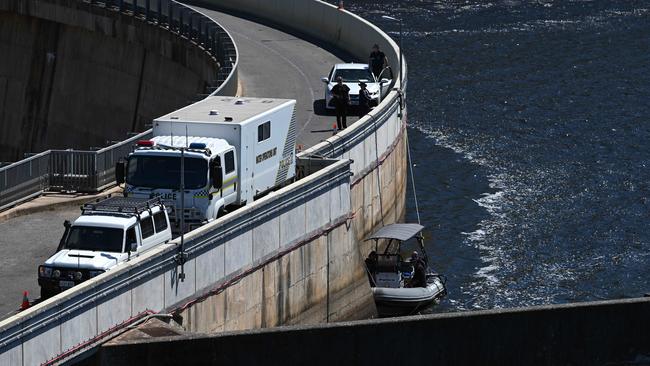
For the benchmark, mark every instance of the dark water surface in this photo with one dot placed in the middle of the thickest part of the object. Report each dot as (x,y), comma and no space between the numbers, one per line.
(530,124)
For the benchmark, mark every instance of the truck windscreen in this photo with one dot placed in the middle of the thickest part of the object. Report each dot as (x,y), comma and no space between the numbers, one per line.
(164,172)
(102,239)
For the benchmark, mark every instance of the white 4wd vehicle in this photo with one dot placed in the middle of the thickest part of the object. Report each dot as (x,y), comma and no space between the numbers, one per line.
(107,233)
(352,74)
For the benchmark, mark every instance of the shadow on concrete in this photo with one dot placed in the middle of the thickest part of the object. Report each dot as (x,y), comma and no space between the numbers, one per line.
(319,108)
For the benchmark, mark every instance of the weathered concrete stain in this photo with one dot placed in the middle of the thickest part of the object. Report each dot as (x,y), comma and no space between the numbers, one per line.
(100,74)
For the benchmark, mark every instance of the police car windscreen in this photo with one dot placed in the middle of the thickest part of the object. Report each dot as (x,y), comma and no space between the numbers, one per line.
(102,239)
(165,172)
(354,75)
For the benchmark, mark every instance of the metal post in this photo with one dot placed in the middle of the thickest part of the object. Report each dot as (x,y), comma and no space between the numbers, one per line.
(215,46)
(182,248)
(327,291)
(135,7)
(188,25)
(121,6)
(180,21)
(401,72)
(147,7)
(159,12)
(170,15)
(201,36)
(401,76)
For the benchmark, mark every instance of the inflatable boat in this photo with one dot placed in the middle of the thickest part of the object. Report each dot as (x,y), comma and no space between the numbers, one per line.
(395,288)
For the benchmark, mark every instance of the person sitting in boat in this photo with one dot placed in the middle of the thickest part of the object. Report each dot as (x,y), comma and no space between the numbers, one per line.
(419,278)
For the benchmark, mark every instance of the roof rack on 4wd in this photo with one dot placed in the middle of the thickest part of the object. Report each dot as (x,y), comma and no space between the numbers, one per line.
(121,205)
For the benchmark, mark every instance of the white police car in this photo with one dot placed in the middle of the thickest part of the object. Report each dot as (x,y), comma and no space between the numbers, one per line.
(352,74)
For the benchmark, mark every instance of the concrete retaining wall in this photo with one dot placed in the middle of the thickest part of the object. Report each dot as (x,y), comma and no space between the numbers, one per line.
(283,259)
(292,257)
(599,333)
(71,66)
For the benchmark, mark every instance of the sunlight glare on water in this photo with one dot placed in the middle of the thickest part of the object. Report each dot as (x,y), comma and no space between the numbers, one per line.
(529,125)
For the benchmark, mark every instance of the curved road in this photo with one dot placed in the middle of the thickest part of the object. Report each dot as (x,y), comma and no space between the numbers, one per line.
(272,63)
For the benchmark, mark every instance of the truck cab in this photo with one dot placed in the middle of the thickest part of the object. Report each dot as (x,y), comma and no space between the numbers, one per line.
(210,176)
(108,232)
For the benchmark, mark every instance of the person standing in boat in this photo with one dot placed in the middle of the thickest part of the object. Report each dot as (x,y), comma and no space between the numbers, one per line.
(419,278)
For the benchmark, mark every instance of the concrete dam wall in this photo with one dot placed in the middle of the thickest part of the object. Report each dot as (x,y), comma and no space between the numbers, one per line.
(598,333)
(68,66)
(292,257)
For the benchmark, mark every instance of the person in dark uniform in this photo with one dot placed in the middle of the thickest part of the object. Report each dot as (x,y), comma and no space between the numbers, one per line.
(364,100)
(341,94)
(419,278)
(371,265)
(377,61)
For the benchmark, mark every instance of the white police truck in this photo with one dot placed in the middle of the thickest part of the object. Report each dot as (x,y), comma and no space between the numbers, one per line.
(233,150)
(108,232)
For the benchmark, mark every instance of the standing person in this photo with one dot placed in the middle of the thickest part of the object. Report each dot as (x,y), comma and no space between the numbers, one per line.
(377,61)
(364,100)
(341,94)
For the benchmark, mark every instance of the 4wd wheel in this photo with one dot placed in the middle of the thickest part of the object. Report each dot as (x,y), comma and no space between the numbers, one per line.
(221,212)
(46,294)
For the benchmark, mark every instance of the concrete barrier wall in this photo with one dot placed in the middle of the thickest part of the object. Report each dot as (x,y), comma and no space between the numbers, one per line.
(74,66)
(286,258)
(598,333)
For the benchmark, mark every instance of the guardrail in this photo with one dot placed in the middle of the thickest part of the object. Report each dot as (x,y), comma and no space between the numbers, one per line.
(92,171)
(74,320)
(225,248)
(63,171)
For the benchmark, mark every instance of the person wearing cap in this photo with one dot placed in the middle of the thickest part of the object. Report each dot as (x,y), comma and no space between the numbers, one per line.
(377,61)
(341,94)
(364,100)
(419,278)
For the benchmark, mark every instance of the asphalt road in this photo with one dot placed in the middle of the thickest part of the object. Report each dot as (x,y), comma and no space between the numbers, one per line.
(272,64)
(25,243)
(277,64)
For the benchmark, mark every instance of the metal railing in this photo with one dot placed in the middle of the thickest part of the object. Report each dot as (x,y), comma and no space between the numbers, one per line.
(24,179)
(93,171)
(63,171)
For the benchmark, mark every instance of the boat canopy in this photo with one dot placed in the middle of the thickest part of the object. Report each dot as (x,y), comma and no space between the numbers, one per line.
(402,232)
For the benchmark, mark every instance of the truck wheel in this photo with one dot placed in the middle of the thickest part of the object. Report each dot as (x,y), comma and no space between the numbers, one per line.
(46,294)
(221,212)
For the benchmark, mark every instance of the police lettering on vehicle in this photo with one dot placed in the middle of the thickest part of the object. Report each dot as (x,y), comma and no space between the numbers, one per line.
(165,196)
(266,155)
(286,161)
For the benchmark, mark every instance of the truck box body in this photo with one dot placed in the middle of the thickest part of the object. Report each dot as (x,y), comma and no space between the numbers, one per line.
(262,130)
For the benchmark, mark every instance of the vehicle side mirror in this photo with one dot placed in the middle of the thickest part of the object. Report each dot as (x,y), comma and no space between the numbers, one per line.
(133,247)
(325,80)
(120,170)
(67,224)
(217,178)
